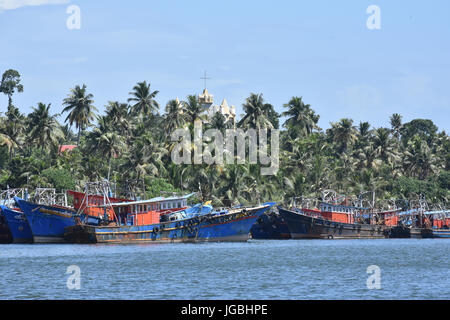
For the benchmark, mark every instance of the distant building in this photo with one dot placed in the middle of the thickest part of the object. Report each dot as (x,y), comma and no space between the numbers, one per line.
(207,101)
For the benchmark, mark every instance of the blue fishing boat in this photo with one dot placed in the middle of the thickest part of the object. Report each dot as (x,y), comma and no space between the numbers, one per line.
(5,234)
(17,224)
(416,223)
(196,224)
(440,223)
(47,222)
(441,233)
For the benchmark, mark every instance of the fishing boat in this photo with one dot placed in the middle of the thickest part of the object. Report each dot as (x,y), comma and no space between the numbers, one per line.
(421,223)
(327,223)
(17,224)
(440,223)
(5,233)
(137,223)
(337,217)
(47,222)
(48,214)
(48,219)
(18,229)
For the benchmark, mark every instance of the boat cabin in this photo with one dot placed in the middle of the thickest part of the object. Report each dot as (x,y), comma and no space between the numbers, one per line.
(343,213)
(145,212)
(439,219)
(94,205)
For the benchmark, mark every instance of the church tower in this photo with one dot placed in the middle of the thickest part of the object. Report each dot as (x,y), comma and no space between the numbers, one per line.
(206,100)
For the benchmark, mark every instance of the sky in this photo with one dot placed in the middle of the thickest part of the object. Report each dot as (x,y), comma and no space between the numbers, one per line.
(320,50)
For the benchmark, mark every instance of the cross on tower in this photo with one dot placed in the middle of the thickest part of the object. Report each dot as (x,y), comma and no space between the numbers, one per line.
(205,78)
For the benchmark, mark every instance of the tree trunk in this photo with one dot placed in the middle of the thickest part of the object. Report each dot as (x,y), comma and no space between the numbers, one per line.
(109,167)
(78,138)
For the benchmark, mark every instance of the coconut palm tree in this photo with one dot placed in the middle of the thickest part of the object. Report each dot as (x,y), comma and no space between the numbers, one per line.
(68,135)
(301,120)
(81,110)
(418,159)
(343,133)
(144,158)
(396,124)
(256,113)
(233,185)
(12,129)
(105,141)
(45,129)
(175,115)
(194,110)
(119,117)
(6,141)
(203,179)
(144,101)
(383,146)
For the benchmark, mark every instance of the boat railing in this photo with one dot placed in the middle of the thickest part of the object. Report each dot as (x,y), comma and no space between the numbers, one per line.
(318,215)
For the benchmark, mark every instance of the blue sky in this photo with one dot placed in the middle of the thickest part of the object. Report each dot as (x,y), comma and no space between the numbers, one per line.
(320,50)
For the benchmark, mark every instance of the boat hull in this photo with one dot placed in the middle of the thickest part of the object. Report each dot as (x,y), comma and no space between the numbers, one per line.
(47,223)
(399,232)
(421,233)
(441,233)
(5,233)
(270,226)
(230,227)
(415,233)
(18,225)
(302,226)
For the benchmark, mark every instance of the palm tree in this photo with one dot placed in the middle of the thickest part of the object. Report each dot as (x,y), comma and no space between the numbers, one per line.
(301,118)
(12,129)
(233,185)
(6,141)
(68,135)
(343,134)
(203,179)
(396,124)
(104,141)
(384,147)
(45,129)
(418,159)
(175,115)
(294,185)
(81,110)
(193,109)
(118,115)
(144,157)
(144,99)
(256,113)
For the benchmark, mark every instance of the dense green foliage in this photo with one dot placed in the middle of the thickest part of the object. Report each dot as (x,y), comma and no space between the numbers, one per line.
(131,142)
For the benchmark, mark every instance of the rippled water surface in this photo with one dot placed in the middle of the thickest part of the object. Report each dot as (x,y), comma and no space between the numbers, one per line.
(258,269)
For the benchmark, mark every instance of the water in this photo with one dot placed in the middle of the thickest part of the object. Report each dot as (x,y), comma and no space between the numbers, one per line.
(258,269)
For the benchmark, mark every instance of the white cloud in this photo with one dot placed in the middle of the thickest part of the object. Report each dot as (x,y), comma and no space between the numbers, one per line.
(14,4)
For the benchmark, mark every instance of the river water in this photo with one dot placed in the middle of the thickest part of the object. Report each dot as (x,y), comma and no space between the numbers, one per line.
(257,269)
